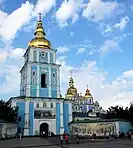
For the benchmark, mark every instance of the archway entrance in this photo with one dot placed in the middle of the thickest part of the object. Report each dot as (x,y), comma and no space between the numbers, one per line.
(44,127)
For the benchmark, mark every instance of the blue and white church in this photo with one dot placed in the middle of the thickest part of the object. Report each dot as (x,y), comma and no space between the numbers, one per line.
(40,106)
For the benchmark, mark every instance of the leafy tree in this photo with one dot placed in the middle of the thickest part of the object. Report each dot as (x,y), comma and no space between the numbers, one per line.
(8,113)
(118,112)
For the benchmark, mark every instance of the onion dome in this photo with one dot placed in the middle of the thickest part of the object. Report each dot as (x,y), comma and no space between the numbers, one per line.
(40,41)
(88,94)
(71,91)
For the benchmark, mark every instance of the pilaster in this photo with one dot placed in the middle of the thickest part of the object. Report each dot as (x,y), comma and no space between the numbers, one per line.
(38,80)
(58,83)
(26,121)
(49,85)
(70,111)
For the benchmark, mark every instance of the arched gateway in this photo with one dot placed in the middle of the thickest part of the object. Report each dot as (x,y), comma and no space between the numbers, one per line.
(44,128)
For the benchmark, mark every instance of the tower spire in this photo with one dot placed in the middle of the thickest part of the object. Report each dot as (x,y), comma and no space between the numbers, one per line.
(40,16)
(39,40)
(87,86)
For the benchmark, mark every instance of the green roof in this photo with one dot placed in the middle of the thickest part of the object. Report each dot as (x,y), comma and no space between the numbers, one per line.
(97,121)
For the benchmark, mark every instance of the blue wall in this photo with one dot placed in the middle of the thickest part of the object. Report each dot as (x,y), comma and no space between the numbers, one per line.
(54,93)
(124,126)
(43,92)
(21,112)
(33,86)
(54,85)
(66,117)
(31,117)
(57,118)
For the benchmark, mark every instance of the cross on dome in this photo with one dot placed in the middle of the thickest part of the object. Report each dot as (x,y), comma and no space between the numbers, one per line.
(71,73)
(40,16)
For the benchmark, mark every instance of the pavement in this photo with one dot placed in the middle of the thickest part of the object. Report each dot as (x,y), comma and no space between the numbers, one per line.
(36,142)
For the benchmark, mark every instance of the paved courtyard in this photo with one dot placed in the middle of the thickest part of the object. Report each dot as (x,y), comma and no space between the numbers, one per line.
(54,143)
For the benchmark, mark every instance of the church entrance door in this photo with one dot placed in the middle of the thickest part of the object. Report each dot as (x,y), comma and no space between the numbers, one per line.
(44,127)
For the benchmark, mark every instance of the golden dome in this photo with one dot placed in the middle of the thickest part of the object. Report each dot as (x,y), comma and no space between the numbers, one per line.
(40,41)
(71,91)
(88,94)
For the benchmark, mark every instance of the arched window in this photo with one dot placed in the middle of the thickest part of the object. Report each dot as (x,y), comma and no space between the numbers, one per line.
(51,105)
(53,74)
(33,72)
(37,105)
(44,105)
(43,80)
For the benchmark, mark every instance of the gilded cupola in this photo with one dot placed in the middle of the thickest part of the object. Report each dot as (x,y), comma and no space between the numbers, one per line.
(87,93)
(71,91)
(40,41)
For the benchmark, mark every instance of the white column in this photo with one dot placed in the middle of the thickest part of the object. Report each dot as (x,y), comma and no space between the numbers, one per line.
(54,57)
(58,83)
(117,127)
(48,57)
(61,118)
(70,111)
(49,85)
(28,80)
(38,56)
(31,54)
(26,122)
(13,103)
(34,120)
(38,80)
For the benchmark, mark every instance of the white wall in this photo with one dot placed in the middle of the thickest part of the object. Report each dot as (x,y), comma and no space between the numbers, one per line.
(9,129)
(50,122)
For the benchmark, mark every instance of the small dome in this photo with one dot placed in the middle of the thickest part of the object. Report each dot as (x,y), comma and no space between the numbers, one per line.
(88,94)
(71,91)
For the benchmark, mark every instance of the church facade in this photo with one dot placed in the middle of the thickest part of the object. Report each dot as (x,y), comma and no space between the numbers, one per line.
(40,106)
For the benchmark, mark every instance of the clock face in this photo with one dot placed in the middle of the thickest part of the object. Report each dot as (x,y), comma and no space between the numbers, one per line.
(43,54)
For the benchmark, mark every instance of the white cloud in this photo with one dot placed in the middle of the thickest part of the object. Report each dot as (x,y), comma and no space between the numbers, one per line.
(3,56)
(21,16)
(97,10)
(81,50)
(108,46)
(16,53)
(108,29)
(44,6)
(119,91)
(11,83)
(12,23)
(62,49)
(68,10)
(123,23)
(9,71)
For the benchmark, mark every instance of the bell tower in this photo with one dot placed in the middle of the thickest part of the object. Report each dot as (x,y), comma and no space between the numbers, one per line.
(40,75)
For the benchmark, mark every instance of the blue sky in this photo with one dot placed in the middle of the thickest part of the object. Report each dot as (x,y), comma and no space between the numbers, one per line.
(93,39)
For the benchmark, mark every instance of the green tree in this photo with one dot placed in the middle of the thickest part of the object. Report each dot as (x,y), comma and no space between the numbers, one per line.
(8,113)
(118,112)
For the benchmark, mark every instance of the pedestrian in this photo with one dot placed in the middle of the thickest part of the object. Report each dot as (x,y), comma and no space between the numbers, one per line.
(110,138)
(61,139)
(77,138)
(20,136)
(66,139)
(93,137)
(64,134)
